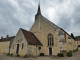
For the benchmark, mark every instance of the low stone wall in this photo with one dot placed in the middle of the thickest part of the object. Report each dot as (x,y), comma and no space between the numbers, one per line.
(64,52)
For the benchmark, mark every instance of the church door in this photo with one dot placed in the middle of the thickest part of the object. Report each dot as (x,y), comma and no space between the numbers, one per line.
(50,51)
(17,51)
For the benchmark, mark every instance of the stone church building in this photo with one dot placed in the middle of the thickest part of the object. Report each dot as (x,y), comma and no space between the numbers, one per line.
(43,37)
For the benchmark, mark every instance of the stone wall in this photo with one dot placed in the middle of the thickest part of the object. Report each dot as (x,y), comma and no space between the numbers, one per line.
(41,28)
(19,39)
(4,47)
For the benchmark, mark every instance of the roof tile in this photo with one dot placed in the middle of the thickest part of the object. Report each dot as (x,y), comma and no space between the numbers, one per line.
(31,38)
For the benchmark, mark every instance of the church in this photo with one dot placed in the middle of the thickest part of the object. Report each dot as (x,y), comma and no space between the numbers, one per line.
(43,37)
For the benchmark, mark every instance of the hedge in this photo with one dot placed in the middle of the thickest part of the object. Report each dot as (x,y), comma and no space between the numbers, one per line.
(69,54)
(60,54)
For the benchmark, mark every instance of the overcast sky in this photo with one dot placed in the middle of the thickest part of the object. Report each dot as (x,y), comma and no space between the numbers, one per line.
(15,14)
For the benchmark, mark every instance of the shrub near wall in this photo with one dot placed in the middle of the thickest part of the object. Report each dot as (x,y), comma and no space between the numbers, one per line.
(60,54)
(8,54)
(11,54)
(17,55)
(41,54)
(69,54)
(75,50)
(25,56)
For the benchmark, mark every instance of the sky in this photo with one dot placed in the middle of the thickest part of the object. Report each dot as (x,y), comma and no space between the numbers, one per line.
(15,14)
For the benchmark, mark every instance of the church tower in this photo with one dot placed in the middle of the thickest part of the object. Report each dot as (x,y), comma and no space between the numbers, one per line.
(38,12)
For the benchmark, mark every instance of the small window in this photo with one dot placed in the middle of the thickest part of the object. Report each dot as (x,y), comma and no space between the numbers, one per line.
(69,37)
(13,46)
(22,45)
(77,42)
(18,40)
(78,45)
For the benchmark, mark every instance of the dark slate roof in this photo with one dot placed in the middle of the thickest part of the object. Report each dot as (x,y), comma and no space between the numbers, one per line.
(78,39)
(31,38)
(7,39)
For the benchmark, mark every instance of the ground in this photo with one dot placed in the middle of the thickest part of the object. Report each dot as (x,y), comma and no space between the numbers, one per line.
(76,56)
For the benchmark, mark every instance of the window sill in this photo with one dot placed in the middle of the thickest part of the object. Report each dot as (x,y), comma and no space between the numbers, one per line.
(50,46)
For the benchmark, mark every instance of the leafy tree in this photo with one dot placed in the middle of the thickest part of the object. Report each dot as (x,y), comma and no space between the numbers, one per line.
(72,36)
(77,37)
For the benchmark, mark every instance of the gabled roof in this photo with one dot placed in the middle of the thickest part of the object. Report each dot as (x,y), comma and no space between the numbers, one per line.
(56,25)
(7,39)
(31,38)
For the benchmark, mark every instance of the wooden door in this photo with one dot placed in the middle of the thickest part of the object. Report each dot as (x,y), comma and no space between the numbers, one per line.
(50,51)
(17,51)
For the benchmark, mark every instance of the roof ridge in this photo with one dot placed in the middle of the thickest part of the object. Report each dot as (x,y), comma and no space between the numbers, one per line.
(25,30)
(55,25)
(8,37)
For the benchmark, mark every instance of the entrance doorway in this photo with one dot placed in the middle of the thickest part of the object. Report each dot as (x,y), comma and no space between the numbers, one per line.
(50,51)
(17,51)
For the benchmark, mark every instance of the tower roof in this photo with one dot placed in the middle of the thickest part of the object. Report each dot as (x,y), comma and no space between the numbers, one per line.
(39,10)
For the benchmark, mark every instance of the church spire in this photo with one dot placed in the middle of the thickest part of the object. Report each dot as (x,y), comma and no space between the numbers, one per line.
(39,11)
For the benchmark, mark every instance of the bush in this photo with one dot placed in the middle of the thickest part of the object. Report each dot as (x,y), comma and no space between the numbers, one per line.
(41,54)
(60,54)
(17,55)
(11,54)
(69,54)
(75,50)
(25,56)
(8,54)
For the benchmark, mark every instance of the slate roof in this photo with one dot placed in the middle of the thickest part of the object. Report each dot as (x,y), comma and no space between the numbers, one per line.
(31,38)
(7,39)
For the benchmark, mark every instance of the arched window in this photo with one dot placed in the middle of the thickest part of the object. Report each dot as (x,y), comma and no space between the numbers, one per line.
(50,39)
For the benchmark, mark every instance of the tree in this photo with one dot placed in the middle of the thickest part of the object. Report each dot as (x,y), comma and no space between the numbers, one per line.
(72,36)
